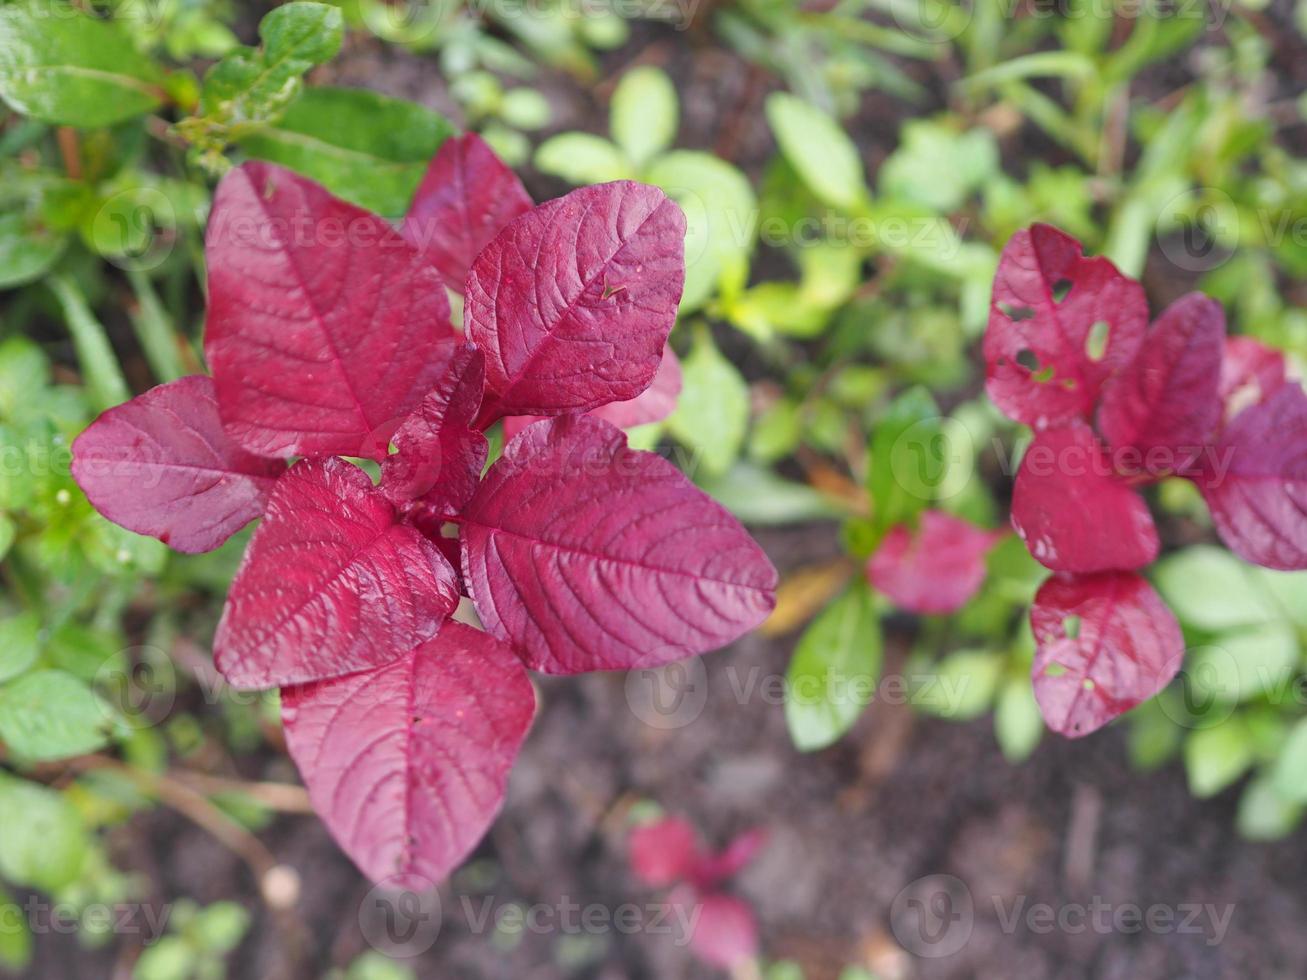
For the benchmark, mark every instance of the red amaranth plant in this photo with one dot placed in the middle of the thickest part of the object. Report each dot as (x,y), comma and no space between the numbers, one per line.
(1115,405)
(329,336)
(668,854)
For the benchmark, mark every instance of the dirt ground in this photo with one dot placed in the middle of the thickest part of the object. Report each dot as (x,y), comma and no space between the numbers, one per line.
(853,829)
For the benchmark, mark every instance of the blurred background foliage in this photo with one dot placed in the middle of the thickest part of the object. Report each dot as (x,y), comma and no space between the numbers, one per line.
(837,287)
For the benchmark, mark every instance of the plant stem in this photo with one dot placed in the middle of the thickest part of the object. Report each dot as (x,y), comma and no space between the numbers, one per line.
(154,329)
(104,377)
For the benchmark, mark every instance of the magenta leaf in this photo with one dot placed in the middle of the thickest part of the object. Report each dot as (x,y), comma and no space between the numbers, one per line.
(653,404)
(664,852)
(1073,512)
(1059,325)
(1255,481)
(330,583)
(466,197)
(162,465)
(572,302)
(1250,373)
(588,555)
(1159,412)
(935,569)
(439,454)
(732,859)
(725,932)
(1105,643)
(325,328)
(407,762)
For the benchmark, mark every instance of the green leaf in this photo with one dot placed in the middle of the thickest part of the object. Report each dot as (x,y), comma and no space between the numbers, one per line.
(1265,815)
(221,926)
(961,686)
(170,958)
(1287,589)
(721,216)
(643,114)
(909,459)
(582,158)
(250,86)
(1018,724)
(938,167)
(758,496)
(1209,588)
(50,714)
(20,642)
(712,414)
(24,373)
(362,146)
(1215,757)
(833,674)
(1289,771)
(59,65)
(7,534)
(48,846)
(27,249)
(15,935)
(104,376)
(1243,664)
(818,149)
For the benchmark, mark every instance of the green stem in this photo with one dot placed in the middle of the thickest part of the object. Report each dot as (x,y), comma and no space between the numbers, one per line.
(155,330)
(104,377)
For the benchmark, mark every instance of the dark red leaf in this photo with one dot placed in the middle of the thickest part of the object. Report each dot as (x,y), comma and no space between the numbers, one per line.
(588,555)
(325,328)
(1250,373)
(406,763)
(934,570)
(330,583)
(1073,512)
(162,465)
(439,454)
(733,859)
(725,932)
(466,197)
(1045,356)
(1164,406)
(1105,643)
(572,302)
(653,404)
(664,852)
(1255,481)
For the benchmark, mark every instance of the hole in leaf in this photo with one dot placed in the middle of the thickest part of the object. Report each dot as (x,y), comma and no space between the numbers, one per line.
(1071,627)
(1028,360)
(1054,670)
(1096,340)
(1069,384)
(1060,290)
(610,291)
(1087,684)
(1016,313)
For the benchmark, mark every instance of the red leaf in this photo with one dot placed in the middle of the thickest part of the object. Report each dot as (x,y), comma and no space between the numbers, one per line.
(466,197)
(1164,406)
(330,583)
(1106,643)
(725,932)
(664,852)
(1255,481)
(1071,510)
(653,404)
(439,454)
(572,302)
(935,570)
(1043,362)
(406,763)
(325,328)
(733,859)
(162,465)
(588,555)
(1250,373)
